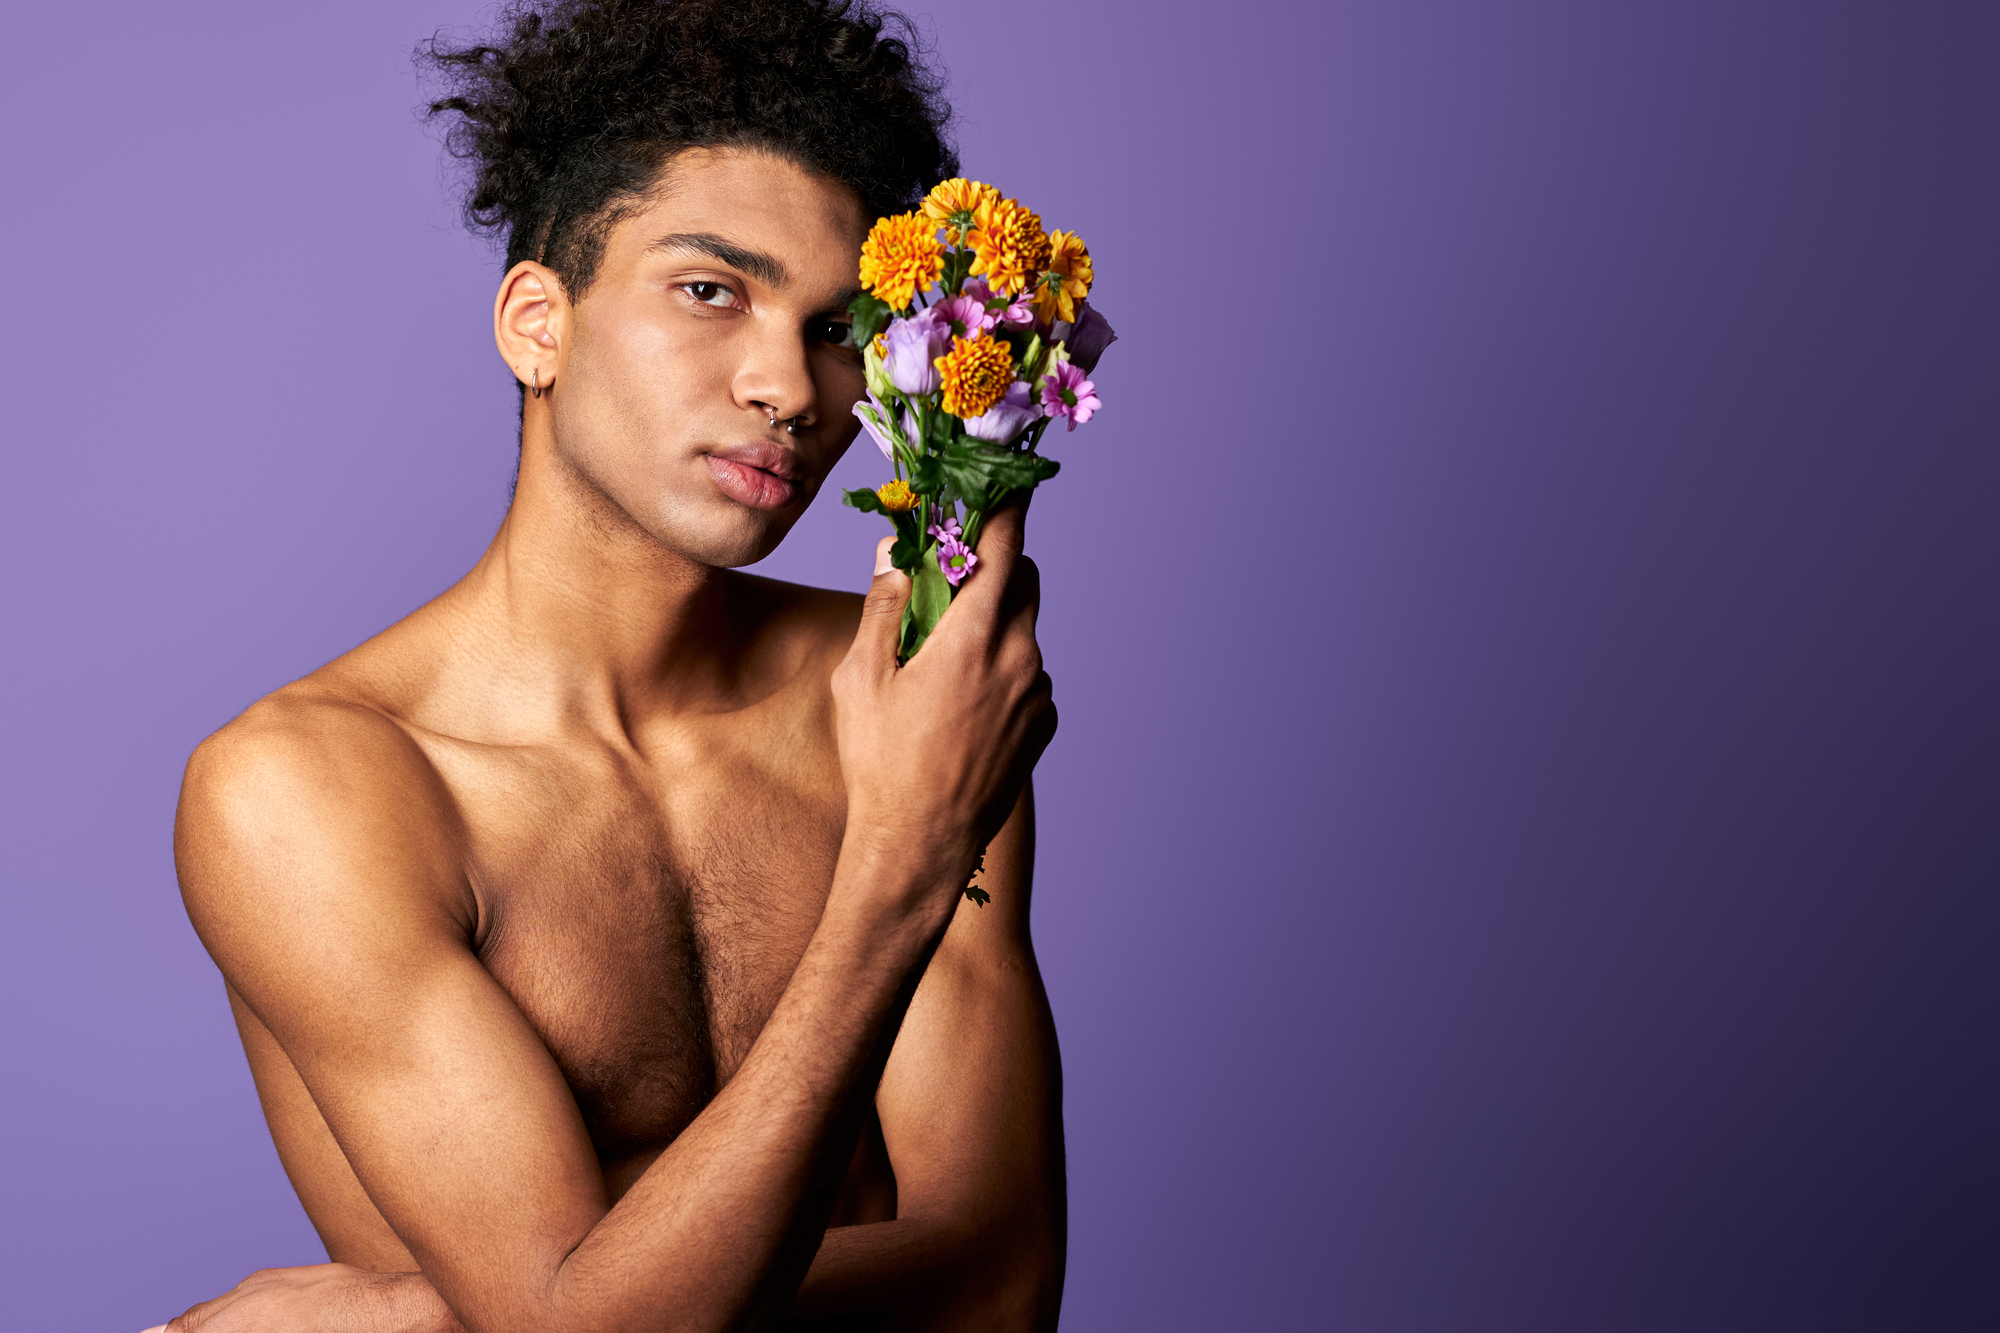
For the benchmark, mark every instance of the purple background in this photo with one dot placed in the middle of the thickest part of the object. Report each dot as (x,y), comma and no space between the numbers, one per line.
(1521,850)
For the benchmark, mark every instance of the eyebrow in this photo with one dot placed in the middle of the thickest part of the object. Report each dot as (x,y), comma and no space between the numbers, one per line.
(757,264)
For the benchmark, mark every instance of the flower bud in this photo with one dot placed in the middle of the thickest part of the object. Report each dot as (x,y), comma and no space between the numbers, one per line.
(877,375)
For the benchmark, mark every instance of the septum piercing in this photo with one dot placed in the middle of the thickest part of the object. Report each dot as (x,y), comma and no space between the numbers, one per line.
(791,423)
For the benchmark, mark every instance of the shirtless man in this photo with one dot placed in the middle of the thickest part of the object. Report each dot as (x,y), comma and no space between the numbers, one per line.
(595,934)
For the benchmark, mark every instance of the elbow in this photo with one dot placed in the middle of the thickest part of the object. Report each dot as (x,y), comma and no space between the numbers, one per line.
(1005,1278)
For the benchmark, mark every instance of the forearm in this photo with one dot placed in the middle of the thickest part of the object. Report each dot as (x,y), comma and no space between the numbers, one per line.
(944,1273)
(721,1228)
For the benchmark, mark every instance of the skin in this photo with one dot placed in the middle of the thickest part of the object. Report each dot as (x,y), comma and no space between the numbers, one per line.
(595,933)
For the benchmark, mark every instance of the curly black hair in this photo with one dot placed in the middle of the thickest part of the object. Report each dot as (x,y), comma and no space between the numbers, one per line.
(566,117)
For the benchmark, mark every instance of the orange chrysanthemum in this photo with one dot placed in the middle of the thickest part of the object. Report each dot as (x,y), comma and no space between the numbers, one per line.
(1008,244)
(952,203)
(896,496)
(975,374)
(1065,280)
(900,258)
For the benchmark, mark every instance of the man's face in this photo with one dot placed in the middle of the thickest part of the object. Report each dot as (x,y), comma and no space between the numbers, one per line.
(721,304)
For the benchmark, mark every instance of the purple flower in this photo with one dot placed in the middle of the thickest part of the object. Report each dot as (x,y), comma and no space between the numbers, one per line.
(876,419)
(1019,313)
(1087,338)
(911,348)
(955,558)
(1000,423)
(967,316)
(1066,393)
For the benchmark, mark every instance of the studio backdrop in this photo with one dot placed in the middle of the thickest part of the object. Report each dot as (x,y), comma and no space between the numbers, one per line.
(1521,849)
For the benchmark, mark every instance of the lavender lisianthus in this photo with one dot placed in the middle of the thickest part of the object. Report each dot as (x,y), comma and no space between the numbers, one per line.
(876,419)
(1085,339)
(1000,423)
(912,347)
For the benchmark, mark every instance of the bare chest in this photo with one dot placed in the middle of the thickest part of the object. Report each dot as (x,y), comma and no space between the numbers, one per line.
(646,922)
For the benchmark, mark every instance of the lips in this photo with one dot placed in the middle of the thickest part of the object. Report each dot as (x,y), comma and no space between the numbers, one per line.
(759,474)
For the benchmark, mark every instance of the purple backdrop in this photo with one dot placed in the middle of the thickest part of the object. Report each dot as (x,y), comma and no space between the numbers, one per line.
(1521,850)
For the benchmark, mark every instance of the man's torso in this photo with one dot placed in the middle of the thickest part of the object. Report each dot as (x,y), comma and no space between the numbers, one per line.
(642,898)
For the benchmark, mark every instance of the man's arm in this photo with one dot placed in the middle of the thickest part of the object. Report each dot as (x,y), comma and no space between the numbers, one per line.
(321,869)
(970,1104)
(971,1110)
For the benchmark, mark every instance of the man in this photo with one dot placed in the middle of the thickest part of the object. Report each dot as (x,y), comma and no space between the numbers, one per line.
(596,934)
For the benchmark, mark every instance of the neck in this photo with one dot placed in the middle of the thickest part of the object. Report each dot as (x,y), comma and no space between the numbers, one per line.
(577,606)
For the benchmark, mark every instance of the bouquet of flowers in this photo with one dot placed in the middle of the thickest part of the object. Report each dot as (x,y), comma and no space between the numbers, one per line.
(976,337)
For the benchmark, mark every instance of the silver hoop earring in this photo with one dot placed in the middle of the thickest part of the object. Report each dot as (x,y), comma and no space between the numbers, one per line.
(535,382)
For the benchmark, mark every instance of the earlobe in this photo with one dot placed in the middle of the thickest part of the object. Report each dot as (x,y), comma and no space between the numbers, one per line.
(528,316)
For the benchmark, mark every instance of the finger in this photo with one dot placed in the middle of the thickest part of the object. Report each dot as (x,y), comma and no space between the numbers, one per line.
(1041,730)
(1023,603)
(882,611)
(1000,537)
(1036,728)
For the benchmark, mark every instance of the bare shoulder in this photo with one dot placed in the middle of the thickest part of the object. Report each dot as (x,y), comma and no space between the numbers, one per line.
(813,627)
(313,793)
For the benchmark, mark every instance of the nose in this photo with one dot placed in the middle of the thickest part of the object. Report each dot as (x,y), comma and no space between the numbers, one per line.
(776,381)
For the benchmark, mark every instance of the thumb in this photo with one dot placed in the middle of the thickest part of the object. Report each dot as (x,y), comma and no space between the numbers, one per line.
(882,613)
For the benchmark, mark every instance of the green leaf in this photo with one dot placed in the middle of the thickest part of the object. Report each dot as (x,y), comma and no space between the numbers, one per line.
(866,501)
(869,316)
(909,548)
(927,475)
(983,472)
(930,594)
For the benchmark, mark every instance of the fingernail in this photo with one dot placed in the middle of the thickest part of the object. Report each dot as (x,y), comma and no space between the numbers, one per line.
(882,562)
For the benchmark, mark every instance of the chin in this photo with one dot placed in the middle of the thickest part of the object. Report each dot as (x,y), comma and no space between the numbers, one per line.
(733,536)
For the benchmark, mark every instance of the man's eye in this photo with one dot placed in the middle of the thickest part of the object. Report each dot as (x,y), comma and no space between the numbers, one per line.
(708,293)
(834,333)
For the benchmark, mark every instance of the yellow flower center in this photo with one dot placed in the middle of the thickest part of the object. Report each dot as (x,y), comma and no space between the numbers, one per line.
(900,258)
(896,496)
(975,374)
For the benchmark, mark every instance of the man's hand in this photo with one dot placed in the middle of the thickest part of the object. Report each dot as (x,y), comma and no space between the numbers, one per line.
(324,1298)
(935,753)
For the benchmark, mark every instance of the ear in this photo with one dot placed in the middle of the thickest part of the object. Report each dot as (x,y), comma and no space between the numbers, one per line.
(530,321)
